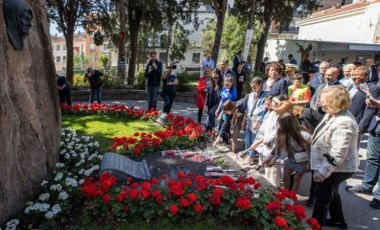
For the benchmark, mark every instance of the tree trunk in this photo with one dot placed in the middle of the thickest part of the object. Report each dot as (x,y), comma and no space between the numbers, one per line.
(220,11)
(121,71)
(170,35)
(29,113)
(134,34)
(268,11)
(69,37)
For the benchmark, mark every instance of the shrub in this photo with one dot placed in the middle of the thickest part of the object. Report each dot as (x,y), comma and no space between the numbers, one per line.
(183,80)
(140,79)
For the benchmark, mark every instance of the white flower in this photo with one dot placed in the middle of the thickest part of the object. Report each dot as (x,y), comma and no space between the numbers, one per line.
(56,187)
(71,182)
(43,182)
(41,207)
(12,224)
(81,181)
(80,162)
(96,144)
(63,151)
(58,177)
(60,165)
(67,156)
(44,196)
(56,209)
(49,215)
(63,195)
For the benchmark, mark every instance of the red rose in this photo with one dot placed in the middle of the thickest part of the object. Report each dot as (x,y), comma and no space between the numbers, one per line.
(154,181)
(181,175)
(145,186)
(299,212)
(313,223)
(122,196)
(156,193)
(173,209)
(184,202)
(134,193)
(192,197)
(280,196)
(218,192)
(134,185)
(280,222)
(257,185)
(214,200)
(198,208)
(188,182)
(106,198)
(243,203)
(145,194)
(137,151)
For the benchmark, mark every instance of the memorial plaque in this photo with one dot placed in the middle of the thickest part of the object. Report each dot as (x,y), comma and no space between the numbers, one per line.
(122,167)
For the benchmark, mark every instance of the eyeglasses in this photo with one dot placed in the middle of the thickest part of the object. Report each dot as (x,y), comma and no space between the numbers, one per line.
(356,75)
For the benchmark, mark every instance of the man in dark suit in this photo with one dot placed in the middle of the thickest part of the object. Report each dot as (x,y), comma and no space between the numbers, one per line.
(371,172)
(238,60)
(225,70)
(313,115)
(359,92)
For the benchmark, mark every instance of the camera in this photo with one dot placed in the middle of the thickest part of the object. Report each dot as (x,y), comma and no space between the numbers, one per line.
(172,65)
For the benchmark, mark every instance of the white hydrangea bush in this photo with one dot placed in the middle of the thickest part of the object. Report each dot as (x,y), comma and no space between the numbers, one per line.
(78,159)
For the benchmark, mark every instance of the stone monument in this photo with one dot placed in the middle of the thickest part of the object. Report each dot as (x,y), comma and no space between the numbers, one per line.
(29,109)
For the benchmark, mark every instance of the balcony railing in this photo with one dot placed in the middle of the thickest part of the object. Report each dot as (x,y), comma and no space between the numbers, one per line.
(287,30)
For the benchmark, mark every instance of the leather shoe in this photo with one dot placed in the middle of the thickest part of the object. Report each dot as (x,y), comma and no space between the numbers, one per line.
(375,203)
(331,223)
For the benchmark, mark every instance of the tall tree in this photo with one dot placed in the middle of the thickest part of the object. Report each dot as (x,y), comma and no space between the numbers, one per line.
(180,43)
(220,8)
(68,15)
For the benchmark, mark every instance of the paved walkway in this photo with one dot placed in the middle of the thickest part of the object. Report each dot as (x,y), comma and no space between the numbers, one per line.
(357,212)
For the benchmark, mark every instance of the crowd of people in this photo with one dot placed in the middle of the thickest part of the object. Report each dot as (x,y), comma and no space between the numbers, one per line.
(297,123)
(294,123)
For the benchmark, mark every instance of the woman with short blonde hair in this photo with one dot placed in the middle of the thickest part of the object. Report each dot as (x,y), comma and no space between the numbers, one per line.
(337,99)
(334,155)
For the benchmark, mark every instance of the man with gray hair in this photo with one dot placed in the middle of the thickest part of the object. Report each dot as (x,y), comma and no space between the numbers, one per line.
(319,77)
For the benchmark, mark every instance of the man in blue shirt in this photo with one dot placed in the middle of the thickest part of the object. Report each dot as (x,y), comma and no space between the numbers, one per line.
(208,62)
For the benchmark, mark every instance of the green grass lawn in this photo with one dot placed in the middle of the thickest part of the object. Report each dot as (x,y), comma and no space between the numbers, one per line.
(104,128)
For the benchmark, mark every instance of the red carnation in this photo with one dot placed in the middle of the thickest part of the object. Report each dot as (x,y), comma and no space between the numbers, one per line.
(156,193)
(126,208)
(192,197)
(173,209)
(106,198)
(145,194)
(214,200)
(134,193)
(218,192)
(257,185)
(145,186)
(299,212)
(181,175)
(243,203)
(184,202)
(122,196)
(313,223)
(198,208)
(280,222)
(137,151)
(134,185)
(154,180)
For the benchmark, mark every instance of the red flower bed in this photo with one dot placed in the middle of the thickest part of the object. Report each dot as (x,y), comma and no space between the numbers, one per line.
(194,197)
(179,131)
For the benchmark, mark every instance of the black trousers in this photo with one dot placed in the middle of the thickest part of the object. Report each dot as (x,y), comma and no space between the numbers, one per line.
(311,118)
(327,198)
(65,96)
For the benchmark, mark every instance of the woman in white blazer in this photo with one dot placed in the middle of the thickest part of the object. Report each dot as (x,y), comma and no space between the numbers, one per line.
(334,155)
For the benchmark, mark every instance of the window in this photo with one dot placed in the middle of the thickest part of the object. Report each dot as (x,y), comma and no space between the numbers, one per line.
(64,47)
(93,58)
(196,58)
(93,46)
(105,46)
(58,47)
(162,57)
(64,59)
(58,59)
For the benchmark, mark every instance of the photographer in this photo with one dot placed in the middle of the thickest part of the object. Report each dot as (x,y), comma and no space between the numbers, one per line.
(168,90)
(153,73)
(96,84)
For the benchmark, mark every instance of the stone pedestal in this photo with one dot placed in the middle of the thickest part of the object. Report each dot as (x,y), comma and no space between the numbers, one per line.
(29,113)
